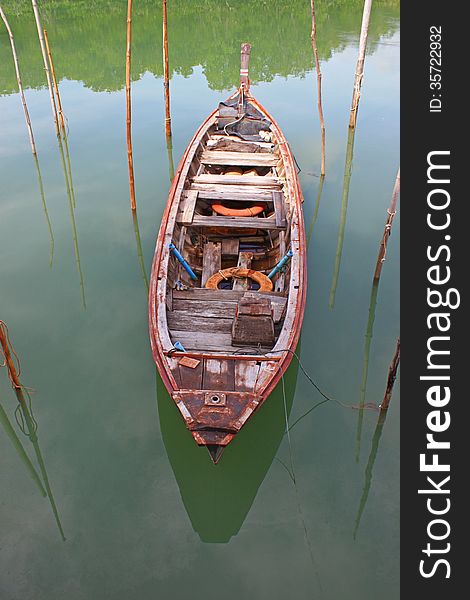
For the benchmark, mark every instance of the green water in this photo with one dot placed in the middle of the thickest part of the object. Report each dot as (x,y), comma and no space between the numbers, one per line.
(145,513)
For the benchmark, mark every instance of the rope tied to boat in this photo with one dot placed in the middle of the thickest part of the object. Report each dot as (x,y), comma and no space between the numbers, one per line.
(365,406)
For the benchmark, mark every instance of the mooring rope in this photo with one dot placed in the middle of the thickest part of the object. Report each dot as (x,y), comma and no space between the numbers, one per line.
(20,420)
(6,333)
(370,406)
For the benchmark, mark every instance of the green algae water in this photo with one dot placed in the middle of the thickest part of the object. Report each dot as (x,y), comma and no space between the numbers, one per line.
(144,511)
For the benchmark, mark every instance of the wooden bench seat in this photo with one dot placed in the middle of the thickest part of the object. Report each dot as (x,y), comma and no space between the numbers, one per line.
(243,180)
(237,222)
(239,159)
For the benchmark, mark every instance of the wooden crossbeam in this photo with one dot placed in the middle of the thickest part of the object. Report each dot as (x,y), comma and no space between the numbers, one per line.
(236,222)
(239,159)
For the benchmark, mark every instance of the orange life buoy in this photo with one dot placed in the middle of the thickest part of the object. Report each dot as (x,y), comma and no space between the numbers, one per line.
(250,211)
(265,284)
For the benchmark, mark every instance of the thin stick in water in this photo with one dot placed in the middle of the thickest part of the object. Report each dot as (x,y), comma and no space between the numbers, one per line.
(130,162)
(360,63)
(391,212)
(166,73)
(392,375)
(54,80)
(18,79)
(319,77)
(46,63)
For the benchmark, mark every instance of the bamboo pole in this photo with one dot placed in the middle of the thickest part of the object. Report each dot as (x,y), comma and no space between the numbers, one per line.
(46,63)
(360,63)
(344,209)
(391,212)
(15,440)
(54,80)
(61,115)
(319,77)
(30,423)
(128,105)
(18,79)
(392,374)
(166,72)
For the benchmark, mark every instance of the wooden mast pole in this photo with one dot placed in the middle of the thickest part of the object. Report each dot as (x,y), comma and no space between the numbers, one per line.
(244,63)
(46,63)
(128,106)
(166,72)
(319,77)
(54,80)
(18,79)
(360,63)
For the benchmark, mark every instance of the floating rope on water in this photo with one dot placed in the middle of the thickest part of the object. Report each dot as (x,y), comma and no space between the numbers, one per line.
(369,406)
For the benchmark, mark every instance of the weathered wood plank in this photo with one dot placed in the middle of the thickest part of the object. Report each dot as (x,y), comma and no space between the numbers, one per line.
(246,374)
(244,262)
(189,206)
(201,341)
(241,159)
(227,195)
(191,378)
(230,246)
(279,208)
(185,321)
(243,180)
(211,310)
(208,295)
(211,260)
(219,375)
(236,222)
(221,191)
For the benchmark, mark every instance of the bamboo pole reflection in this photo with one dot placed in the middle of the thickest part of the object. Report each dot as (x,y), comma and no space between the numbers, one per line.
(68,186)
(369,468)
(18,446)
(69,167)
(317,206)
(365,365)
(171,164)
(44,206)
(32,434)
(140,254)
(344,208)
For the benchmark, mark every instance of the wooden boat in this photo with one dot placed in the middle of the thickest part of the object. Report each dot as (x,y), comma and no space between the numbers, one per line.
(228,284)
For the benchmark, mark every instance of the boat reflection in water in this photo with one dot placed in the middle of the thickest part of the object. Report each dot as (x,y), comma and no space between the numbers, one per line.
(218,497)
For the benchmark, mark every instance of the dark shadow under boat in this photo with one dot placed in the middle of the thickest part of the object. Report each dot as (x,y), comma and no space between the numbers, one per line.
(218,497)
